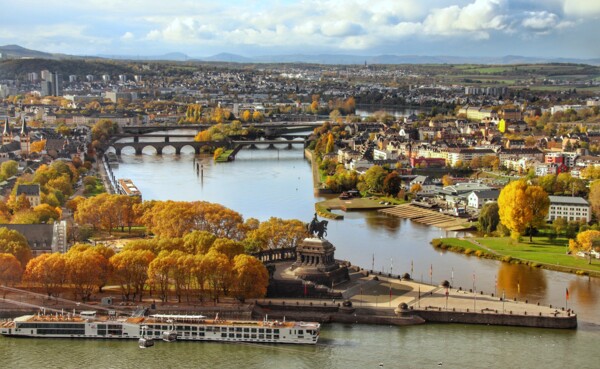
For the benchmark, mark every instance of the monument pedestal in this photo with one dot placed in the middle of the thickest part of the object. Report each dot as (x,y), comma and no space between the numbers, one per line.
(315,262)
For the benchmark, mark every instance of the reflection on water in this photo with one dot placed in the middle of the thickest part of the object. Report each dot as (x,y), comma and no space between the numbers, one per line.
(265,183)
(521,280)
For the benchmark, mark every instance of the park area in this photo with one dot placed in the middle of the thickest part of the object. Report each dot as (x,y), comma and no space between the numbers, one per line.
(542,252)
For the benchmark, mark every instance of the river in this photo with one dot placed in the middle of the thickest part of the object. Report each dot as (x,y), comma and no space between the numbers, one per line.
(265,183)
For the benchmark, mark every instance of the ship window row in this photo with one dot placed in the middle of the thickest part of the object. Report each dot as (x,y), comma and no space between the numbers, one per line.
(187,328)
(52,325)
(61,331)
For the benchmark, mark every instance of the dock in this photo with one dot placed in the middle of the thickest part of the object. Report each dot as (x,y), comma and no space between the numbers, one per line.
(428,217)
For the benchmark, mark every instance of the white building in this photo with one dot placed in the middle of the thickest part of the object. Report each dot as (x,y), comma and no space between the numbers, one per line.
(569,208)
(477,199)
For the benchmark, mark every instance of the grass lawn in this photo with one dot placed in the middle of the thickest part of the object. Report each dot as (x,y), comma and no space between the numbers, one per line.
(543,252)
(224,157)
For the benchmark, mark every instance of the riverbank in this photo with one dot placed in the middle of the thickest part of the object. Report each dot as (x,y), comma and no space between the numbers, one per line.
(542,253)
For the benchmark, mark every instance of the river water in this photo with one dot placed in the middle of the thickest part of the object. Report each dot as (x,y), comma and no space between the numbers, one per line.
(265,183)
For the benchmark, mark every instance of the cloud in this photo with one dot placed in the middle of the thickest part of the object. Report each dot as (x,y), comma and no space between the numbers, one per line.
(296,25)
(341,29)
(127,36)
(540,21)
(475,19)
(582,8)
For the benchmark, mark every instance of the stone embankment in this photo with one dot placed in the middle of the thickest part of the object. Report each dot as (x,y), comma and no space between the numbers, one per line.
(390,300)
(428,217)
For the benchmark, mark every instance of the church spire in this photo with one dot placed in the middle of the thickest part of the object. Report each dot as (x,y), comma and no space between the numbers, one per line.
(6,128)
(24,129)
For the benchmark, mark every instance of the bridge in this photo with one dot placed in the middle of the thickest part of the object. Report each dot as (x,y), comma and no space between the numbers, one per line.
(287,125)
(160,146)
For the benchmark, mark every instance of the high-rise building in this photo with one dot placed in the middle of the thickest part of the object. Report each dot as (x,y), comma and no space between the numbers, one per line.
(89,78)
(72,78)
(51,84)
(105,78)
(122,78)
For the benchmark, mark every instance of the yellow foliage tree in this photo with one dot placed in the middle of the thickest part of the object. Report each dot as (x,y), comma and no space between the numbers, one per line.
(11,271)
(586,241)
(38,146)
(250,277)
(523,207)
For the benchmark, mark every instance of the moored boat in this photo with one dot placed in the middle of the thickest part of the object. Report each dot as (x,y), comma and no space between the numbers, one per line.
(169,327)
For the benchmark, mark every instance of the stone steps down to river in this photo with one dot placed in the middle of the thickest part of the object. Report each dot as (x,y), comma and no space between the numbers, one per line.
(426,216)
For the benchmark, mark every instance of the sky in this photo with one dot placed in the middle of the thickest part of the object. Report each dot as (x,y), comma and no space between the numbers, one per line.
(200,28)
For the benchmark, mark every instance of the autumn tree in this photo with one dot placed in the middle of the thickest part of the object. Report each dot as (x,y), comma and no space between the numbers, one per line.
(130,268)
(416,188)
(14,243)
(183,276)
(392,183)
(246,115)
(160,271)
(218,273)
(523,207)
(38,146)
(8,169)
(49,271)
(447,180)
(586,241)
(250,277)
(276,233)
(594,198)
(230,248)
(257,116)
(11,271)
(85,271)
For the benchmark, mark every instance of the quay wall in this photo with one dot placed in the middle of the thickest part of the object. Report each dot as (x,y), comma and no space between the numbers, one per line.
(442,316)
(333,313)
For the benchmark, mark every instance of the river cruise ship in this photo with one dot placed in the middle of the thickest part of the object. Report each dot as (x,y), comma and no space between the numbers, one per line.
(160,326)
(126,187)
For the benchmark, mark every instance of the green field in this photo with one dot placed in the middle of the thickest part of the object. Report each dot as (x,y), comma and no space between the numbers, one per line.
(542,252)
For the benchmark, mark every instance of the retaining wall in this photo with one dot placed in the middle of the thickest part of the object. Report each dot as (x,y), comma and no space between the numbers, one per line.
(569,322)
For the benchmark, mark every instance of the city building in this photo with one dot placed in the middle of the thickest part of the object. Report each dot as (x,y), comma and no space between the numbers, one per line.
(31,192)
(569,208)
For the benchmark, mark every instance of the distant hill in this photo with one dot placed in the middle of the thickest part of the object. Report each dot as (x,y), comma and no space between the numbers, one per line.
(163,57)
(18,52)
(11,68)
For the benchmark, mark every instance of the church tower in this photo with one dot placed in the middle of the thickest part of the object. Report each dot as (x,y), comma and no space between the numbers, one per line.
(6,135)
(24,138)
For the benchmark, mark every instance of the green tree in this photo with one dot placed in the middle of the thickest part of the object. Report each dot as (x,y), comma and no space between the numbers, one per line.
(489,217)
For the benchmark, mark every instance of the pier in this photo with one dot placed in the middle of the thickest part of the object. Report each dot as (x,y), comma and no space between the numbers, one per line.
(428,217)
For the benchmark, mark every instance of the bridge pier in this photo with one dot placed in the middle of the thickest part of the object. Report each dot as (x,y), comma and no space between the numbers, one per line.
(118,151)
(178,150)
(136,139)
(138,150)
(159,150)
(167,139)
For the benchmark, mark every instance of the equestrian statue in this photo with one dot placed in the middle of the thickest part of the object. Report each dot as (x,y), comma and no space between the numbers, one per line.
(317,227)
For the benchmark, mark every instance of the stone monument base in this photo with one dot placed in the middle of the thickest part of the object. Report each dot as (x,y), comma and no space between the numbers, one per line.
(315,262)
